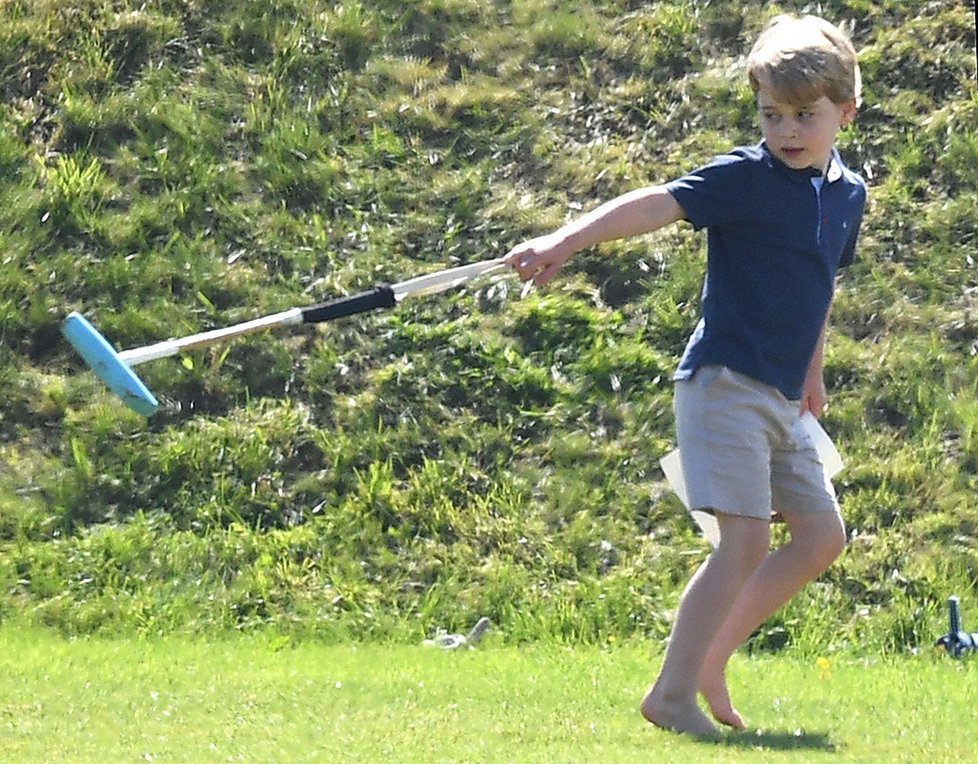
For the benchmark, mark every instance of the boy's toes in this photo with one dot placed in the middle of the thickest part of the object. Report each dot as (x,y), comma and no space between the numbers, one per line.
(718,699)
(729,716)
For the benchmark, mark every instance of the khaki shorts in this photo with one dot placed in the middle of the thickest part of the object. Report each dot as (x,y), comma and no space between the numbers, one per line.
(743,449)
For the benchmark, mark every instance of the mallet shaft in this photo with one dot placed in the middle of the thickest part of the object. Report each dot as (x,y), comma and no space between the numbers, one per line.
(378,297)
(172,347)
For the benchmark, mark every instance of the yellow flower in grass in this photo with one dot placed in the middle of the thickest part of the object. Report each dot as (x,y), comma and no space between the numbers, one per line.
(824,668)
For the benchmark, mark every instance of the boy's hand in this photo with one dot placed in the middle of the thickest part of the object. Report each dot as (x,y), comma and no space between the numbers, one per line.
(635,212)
(813,394)
(539,259)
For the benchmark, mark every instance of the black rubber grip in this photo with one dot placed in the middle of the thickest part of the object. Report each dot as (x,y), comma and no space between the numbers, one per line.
(379,297)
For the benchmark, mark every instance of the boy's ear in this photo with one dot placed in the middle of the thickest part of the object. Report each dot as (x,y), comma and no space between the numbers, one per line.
(849,110)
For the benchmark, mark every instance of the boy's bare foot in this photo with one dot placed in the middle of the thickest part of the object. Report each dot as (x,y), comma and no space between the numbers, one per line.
(678,716)
(717,697)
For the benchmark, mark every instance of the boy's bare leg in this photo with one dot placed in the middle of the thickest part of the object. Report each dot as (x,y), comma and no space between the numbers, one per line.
(672,701)
(816,541)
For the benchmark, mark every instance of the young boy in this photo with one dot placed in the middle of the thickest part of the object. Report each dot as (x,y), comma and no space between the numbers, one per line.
(782,217)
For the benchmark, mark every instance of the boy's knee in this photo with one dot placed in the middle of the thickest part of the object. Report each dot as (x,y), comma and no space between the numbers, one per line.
(744,542)
(835,543)
(835,536)
(825,544)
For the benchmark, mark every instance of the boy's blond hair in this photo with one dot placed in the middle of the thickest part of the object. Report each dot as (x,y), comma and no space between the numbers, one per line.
(802,58)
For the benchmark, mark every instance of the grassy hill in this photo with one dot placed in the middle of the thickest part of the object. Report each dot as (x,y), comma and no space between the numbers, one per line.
(175,166)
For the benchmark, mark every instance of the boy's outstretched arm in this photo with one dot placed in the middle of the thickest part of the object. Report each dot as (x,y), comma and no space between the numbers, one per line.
(631,214)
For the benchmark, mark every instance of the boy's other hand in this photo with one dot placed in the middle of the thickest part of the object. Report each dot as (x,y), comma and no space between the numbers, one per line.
(813,395)
(539,259)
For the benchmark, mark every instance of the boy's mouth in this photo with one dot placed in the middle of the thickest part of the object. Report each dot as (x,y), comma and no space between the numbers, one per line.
(792,152)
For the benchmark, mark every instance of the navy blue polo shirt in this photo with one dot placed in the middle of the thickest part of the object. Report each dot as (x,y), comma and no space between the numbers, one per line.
(775,240)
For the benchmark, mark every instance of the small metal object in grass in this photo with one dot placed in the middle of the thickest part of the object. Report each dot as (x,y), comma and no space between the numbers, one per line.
(957,641)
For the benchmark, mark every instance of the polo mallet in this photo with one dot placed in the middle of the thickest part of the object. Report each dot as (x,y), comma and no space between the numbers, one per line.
(957,641)
(115,368)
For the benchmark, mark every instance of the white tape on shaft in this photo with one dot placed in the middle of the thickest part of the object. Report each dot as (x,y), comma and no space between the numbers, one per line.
(444,280)
(172,347)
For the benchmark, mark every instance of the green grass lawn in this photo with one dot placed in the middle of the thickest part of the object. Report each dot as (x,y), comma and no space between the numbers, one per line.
(259,700)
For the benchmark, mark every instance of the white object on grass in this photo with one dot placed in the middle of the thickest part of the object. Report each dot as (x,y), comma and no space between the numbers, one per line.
(672,466)
(456,641)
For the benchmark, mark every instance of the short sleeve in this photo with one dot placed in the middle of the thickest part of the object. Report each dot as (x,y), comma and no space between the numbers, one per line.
(715,193)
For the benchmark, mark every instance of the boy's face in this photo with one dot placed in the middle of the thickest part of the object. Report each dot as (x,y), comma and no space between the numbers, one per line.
(802,135)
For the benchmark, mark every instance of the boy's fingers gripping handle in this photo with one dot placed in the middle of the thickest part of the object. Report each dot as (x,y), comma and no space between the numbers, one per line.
(379,297)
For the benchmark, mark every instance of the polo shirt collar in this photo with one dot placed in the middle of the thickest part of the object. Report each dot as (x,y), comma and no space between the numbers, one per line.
(834,171)
(832,174)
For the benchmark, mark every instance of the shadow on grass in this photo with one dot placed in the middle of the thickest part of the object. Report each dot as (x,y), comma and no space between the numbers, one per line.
(776,740)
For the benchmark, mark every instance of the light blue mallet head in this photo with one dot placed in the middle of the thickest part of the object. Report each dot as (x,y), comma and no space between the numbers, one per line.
(108,365)
(115,368)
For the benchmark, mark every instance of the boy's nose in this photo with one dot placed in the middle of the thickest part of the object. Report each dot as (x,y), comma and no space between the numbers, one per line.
(789,128)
